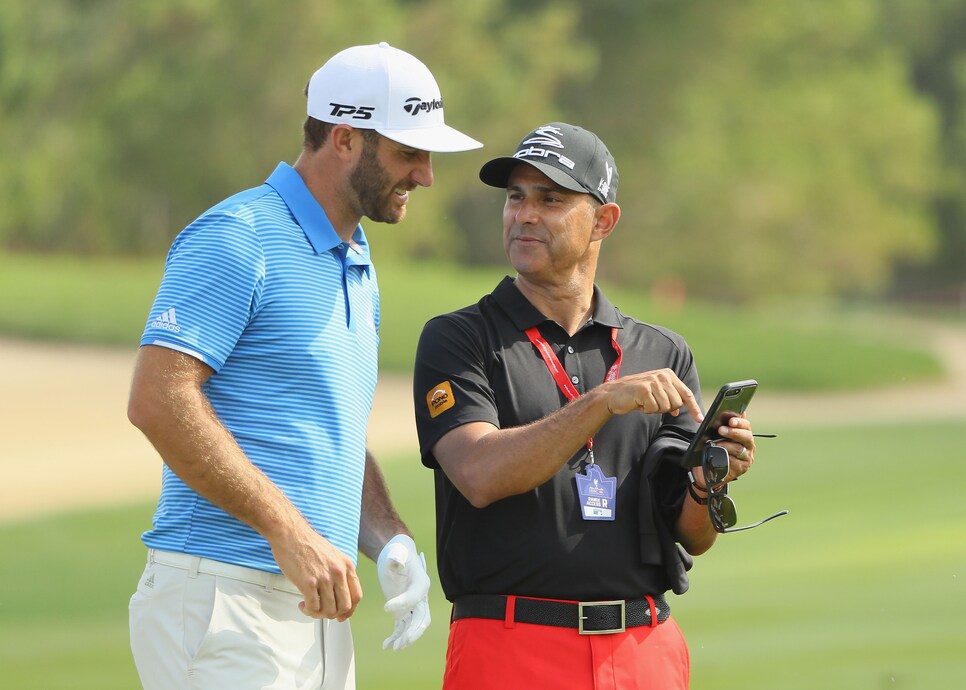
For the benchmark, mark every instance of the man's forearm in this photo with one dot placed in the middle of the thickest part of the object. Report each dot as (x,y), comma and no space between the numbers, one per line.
(693,529)
(180,423)
(206,458)
(487,464)
(379,521)
(507,462)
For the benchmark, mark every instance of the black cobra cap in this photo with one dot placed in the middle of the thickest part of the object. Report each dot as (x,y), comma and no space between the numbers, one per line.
(569,155)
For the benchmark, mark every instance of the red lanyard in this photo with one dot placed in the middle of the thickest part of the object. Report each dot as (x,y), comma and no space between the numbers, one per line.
(560,376)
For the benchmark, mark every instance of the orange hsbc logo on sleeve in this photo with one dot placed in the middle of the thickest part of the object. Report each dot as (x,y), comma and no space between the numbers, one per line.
(440,398)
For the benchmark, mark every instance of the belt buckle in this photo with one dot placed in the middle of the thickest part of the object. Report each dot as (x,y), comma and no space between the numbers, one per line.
(590,604)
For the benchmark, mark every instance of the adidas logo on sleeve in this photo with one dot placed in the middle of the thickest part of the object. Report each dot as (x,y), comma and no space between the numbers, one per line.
(168,321)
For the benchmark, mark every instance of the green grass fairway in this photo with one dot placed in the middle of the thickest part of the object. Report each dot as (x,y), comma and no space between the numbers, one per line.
(862,586)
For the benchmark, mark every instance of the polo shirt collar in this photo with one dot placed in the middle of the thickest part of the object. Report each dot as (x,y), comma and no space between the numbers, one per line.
(524,315)
(311,217)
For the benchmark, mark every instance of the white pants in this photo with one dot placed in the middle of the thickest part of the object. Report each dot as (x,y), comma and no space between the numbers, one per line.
(198,624)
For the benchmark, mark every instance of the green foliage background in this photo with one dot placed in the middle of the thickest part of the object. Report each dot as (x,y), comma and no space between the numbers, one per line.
(765,148)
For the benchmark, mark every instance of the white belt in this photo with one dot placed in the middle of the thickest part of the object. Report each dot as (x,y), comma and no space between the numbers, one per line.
(196,564)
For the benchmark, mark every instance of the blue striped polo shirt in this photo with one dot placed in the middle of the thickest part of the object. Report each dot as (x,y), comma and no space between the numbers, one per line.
(261,289)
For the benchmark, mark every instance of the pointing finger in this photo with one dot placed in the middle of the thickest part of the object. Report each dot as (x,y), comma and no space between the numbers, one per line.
(690,402)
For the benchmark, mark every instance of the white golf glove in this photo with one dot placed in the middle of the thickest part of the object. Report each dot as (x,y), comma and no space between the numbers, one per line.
(402,574)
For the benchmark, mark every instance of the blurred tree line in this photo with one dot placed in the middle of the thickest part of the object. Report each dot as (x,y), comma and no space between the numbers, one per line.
(765,148)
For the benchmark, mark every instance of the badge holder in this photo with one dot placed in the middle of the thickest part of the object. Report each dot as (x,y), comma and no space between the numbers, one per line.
(597,493)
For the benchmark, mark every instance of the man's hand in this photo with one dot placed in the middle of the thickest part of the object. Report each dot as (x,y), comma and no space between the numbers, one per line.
(740,444)
(652,392)
(404,581)
(325,576)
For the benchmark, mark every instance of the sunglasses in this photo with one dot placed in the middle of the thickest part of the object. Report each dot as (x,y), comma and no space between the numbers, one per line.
(721,507)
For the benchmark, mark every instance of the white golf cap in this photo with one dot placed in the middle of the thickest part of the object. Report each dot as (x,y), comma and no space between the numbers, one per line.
(386,89)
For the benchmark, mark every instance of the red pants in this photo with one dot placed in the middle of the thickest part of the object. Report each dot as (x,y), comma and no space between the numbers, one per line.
(495,655)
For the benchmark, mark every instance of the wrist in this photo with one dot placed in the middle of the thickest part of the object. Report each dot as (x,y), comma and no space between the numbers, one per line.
(598,395)
(699,494)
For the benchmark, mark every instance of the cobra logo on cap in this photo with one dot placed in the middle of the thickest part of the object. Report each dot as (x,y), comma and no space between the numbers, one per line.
(544,136)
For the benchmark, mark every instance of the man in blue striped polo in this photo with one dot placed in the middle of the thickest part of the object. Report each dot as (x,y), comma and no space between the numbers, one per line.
(254,382)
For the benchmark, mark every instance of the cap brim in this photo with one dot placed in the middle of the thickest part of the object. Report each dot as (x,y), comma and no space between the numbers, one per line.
(439,139)
(496,173)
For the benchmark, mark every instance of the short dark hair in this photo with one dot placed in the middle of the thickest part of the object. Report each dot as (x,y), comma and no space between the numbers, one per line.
(316,132)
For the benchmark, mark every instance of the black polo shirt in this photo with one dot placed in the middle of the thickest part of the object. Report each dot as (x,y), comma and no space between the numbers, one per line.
(477,364)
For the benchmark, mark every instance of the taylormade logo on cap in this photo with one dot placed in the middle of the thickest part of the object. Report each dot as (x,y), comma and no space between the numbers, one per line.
(386,89)
(414,105)
(571,156)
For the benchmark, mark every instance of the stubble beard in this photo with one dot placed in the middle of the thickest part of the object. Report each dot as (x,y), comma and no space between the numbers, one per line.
(373,189)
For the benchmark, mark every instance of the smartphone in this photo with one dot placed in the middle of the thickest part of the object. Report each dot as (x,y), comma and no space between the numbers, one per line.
(731,401)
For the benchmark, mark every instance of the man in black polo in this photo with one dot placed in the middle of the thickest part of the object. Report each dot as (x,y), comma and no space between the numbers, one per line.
(550,419)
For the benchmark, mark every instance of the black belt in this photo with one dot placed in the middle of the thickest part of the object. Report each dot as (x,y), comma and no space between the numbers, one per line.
(588,617)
